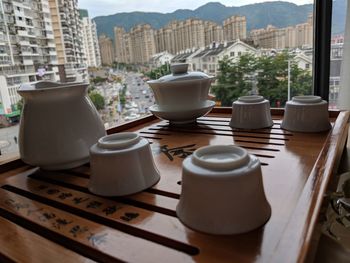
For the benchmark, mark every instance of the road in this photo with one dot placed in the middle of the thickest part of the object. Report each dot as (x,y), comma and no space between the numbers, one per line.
(139,91)
(8,142)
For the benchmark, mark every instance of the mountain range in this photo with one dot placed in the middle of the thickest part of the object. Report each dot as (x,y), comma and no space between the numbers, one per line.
(279,14)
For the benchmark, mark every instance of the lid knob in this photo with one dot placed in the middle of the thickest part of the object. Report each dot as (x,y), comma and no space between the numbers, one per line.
(179,68)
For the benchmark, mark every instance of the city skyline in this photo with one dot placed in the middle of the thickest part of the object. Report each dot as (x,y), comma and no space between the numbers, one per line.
(143,42)
(105,7)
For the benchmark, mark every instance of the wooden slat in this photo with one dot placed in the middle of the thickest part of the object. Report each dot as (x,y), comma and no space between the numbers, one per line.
(150,201)
(225,127)
(20,245)
(139,222)
(10,164)
(88,238)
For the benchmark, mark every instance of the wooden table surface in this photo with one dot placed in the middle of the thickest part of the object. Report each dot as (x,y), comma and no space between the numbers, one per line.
(51,216)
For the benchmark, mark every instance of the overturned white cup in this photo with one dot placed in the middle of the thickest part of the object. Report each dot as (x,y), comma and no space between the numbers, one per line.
(122,164)
(222,191)
(306,114)
(251,112)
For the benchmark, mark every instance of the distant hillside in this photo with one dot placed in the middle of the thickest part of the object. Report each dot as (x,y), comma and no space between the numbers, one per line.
(280,14)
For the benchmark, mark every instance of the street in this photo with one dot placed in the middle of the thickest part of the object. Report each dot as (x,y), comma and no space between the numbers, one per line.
(8,137)
(139,91)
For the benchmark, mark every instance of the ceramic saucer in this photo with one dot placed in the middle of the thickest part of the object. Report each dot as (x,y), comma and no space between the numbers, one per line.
(182,116)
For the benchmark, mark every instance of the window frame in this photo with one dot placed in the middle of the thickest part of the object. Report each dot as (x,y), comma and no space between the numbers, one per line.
(322,47)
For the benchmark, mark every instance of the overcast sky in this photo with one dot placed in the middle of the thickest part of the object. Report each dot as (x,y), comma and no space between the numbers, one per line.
(109,7)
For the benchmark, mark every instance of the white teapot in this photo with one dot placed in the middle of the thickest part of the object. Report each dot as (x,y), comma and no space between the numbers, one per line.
(58,125)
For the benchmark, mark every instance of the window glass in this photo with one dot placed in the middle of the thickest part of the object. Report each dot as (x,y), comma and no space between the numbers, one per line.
(248,50)
(336,53)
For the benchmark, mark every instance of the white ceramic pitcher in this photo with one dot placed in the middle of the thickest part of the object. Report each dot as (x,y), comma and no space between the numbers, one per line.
(58,125)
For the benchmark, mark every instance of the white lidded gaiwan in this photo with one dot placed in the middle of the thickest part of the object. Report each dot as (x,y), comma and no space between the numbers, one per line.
(181,89)
(122,164)
(182,96)
(58,125)
(306,114)
(222,191)
(251,112)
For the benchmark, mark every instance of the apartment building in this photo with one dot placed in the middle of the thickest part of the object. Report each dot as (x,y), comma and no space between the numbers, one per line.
(90,40)
(212,33)
(106,49)
(142,43)
(119,33)
(163,38)
(123,48)
(68,34)
(189,34)
(300,35)
(271,37)
(27,48)
(235,27)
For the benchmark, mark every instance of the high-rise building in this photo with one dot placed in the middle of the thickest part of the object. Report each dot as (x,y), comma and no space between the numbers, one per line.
(271,37)
(304,32)
(212,33)
(123,49)
(142,43)
(300,35)
(188,34)
(163,40)
(90,40)
(119,48)
(67,29)
(290,37)
(235,27)
(106,49)
(191,33)
(27,48)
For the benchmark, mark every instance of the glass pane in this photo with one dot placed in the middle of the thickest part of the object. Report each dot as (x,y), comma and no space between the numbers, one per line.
(264,48)
(248,51)
(337,50)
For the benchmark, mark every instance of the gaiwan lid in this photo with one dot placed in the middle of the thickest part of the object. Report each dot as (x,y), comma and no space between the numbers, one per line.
(47,85)
(180,73)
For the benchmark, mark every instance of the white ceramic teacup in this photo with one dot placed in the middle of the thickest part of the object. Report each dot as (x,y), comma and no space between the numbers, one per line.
(306,114)
(122,164)
(222,191)
(251,112)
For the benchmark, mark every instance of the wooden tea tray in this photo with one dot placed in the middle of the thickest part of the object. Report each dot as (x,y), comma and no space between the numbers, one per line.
(52,217)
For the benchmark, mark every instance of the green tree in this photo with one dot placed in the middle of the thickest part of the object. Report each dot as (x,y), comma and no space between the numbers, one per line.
(273,78)
(233,78)
(20,104)
(97,99)
(159,72)
(269,73)
(122,96)
(97,80)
